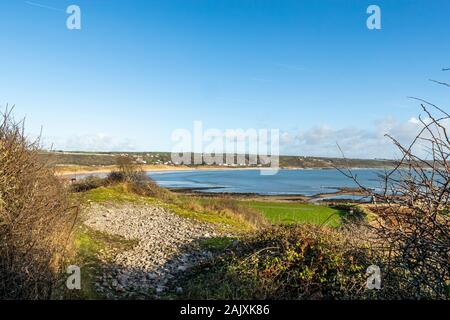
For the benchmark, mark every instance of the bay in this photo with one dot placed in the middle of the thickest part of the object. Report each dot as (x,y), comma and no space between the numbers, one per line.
(308,182)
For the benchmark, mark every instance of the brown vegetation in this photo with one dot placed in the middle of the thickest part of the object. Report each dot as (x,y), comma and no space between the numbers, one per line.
(35,218)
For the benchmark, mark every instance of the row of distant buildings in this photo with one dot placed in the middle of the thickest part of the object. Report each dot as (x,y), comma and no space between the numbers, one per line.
(156,160)
(147,159)
(239,165)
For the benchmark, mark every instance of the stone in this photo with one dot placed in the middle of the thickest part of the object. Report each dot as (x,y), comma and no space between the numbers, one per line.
(152,276)
(119,288)
(123,280)
(160,290)
(165,246)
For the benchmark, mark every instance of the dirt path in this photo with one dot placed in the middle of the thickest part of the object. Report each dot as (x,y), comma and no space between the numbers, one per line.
(167,245)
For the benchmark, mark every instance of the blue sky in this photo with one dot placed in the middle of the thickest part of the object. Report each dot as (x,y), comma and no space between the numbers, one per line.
(138,70)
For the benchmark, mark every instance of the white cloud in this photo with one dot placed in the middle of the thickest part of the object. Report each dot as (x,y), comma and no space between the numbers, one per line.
(355,142)
(90,142)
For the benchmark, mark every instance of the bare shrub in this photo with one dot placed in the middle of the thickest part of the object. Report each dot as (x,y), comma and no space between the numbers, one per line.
(127,168)
(412,224)
(88,183)
(35,220)
(127,171)
(115,177)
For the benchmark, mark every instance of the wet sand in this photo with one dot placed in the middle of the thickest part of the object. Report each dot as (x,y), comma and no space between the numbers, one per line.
(202,192)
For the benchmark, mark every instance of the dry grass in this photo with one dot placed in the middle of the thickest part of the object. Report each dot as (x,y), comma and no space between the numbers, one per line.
(35,218)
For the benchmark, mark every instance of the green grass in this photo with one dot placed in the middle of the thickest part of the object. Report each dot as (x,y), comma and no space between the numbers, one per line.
(217,243)
(290,213)
(90,244)
(225,221)
(117,193)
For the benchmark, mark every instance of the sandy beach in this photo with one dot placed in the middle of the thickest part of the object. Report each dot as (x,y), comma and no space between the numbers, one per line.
(65,171)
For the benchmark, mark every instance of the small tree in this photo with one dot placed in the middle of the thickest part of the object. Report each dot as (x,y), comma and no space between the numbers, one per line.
(127,166)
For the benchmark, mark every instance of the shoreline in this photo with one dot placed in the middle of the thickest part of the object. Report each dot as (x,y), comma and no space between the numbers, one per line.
(67,170)
(273,197)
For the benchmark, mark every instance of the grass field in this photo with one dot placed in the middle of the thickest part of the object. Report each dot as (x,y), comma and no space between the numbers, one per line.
(288,213)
